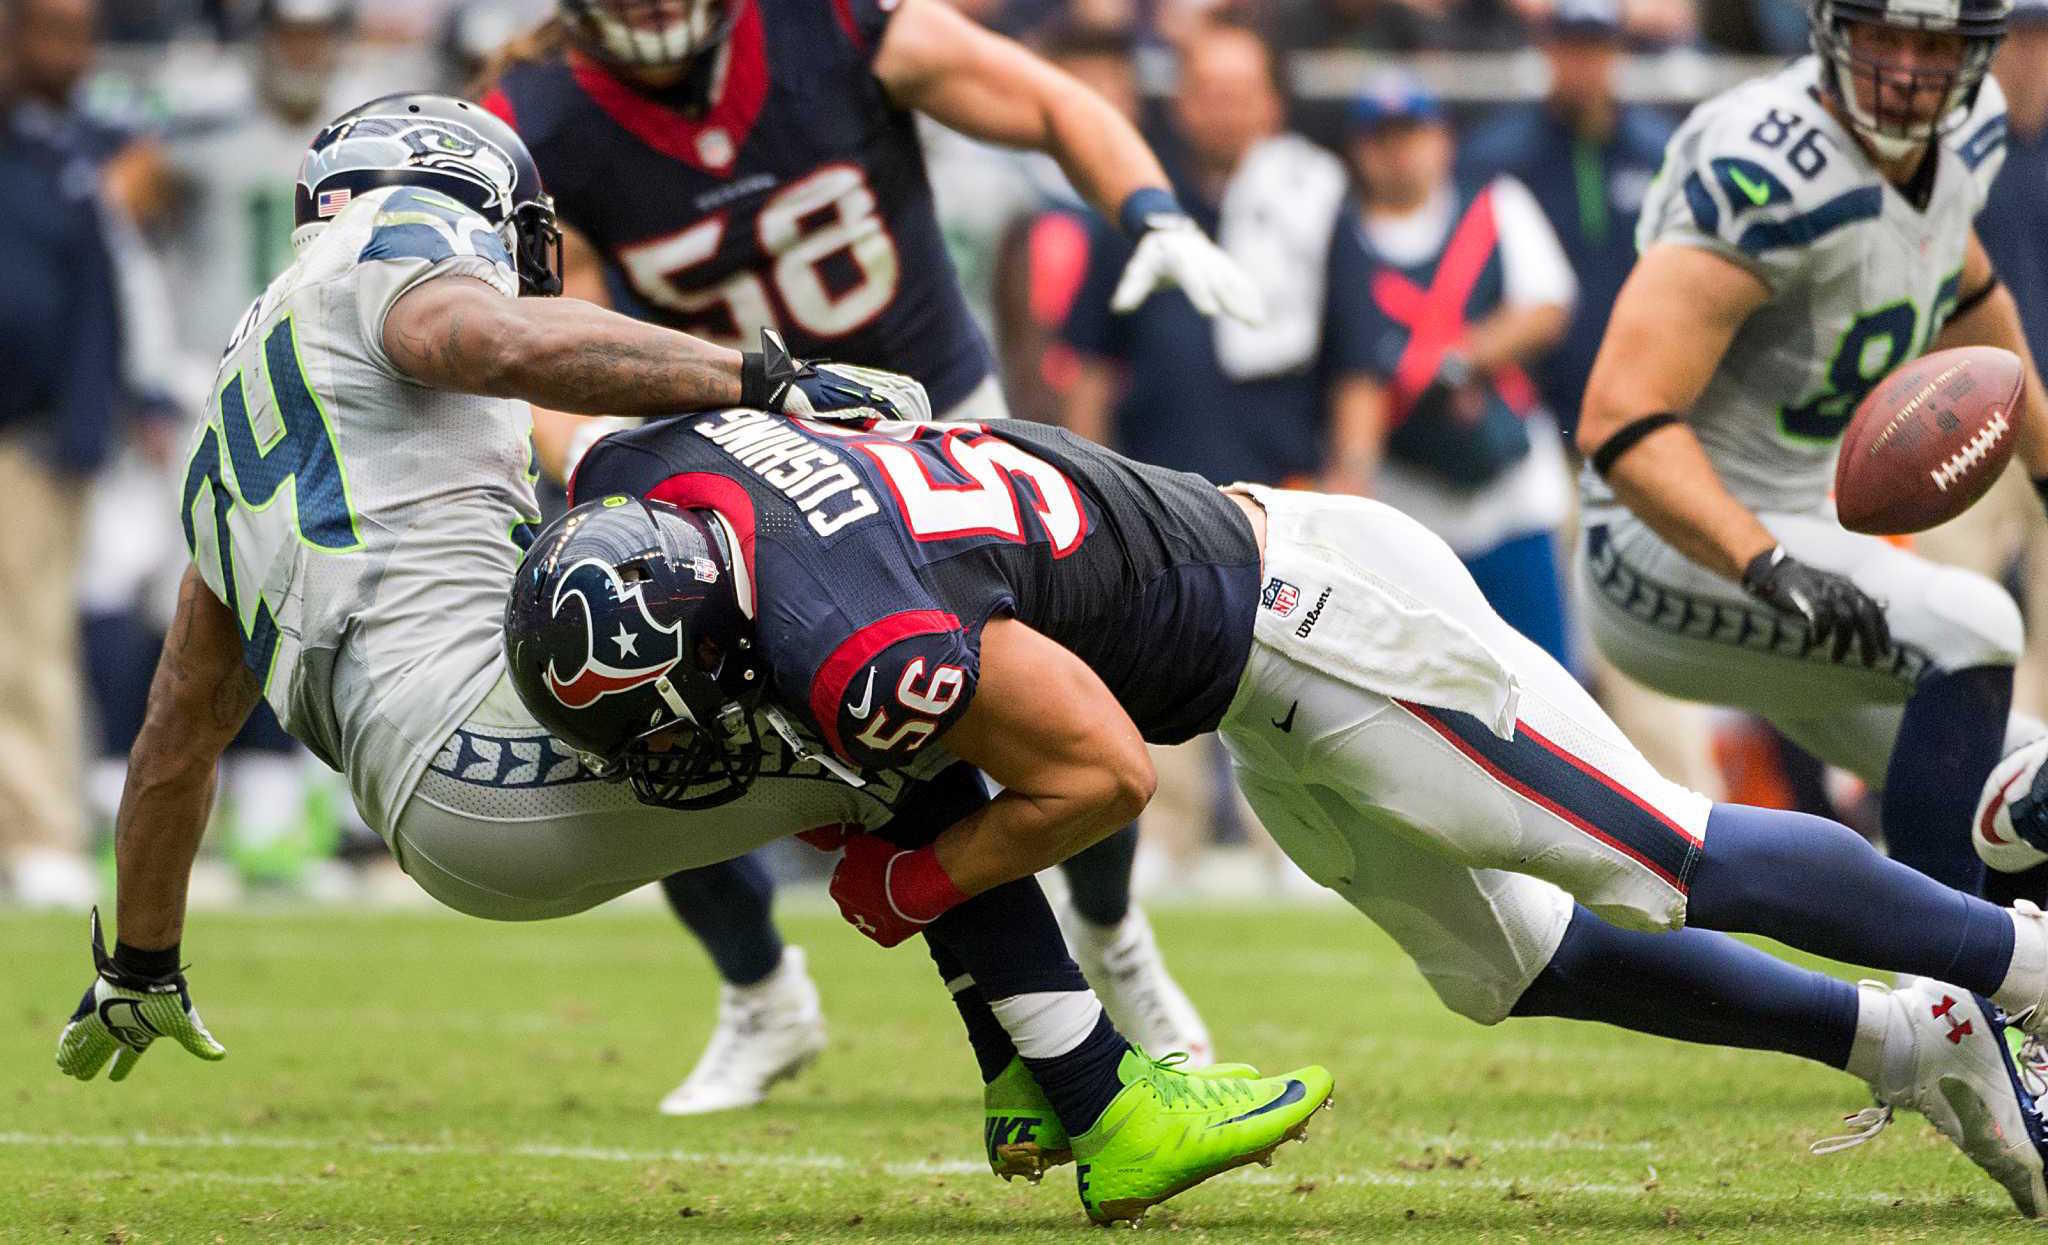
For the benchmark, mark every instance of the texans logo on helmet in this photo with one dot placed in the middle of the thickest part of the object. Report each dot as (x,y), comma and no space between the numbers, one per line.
(638,652)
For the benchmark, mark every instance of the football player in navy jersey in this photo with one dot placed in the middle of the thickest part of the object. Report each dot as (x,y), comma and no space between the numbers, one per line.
(721,166)
(1040,607)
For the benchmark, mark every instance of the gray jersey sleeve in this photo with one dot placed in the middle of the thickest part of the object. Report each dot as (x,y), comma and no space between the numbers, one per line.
(1980,141)
(420,235)
(1751,178)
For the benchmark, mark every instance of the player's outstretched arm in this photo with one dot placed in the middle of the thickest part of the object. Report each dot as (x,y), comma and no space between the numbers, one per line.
(1987,315)
(460,334)
(942,64)
(1072,766)
(199,698)
(936,61)
(1670,327)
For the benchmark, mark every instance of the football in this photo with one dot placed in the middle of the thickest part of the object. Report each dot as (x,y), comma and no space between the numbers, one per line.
(1929,440)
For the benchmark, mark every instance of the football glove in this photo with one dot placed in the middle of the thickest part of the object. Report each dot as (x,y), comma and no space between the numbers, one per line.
(888,893)
(771,380)
(122,1013)
(1834,609)
(1173,250)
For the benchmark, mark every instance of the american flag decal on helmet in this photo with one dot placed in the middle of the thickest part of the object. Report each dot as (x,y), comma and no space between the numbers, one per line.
(332,201)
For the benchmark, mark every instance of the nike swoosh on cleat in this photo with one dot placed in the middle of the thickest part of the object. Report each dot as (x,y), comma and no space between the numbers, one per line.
(1294,1093)
(1286,724)
(1991,813)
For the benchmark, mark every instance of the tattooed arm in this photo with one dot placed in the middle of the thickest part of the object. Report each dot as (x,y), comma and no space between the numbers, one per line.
(199,698)
(458,333)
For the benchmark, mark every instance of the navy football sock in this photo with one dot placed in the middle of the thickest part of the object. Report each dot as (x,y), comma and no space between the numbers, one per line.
(1696,986)
(1951,736)
(1007,940)
(1099,878)
(1081,1083)
(1816,885)
(993,1050)
(728,906)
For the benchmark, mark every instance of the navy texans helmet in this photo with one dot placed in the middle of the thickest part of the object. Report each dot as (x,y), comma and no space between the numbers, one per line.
(443,144)
(650,34)
(1889,119)
(628,620)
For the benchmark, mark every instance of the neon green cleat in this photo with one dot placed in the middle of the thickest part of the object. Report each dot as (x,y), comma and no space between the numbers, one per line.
(1170,1130)
(1023,1134)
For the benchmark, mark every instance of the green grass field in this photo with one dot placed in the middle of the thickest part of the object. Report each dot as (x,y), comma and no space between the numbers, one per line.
(417,1077)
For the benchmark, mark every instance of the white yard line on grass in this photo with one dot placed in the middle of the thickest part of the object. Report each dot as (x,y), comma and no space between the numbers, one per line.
(1447,1178)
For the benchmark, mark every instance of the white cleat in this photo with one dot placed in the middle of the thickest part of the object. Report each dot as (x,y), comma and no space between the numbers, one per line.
(766,1032)
(1946,1056)
(1123,963)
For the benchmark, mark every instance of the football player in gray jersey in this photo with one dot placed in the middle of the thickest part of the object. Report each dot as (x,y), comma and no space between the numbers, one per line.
(356,504)
(1809,232)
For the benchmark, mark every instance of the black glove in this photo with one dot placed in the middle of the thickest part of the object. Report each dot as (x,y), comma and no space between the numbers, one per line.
(1833,607)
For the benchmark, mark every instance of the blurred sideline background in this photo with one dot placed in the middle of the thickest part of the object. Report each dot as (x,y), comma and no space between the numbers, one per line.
(184,124)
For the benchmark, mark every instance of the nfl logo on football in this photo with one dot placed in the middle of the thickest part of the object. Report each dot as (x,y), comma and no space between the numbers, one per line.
(1280,596)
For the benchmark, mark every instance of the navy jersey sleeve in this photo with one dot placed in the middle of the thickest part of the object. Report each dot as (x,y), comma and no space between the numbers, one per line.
(1355,333)
(865,22)
(1091,327)
(892,686)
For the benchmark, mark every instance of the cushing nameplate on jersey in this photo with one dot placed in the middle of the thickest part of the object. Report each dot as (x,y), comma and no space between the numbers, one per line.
(814,476)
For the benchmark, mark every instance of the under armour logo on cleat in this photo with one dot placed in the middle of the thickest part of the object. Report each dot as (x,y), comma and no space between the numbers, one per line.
(864,925)
(1956,1032)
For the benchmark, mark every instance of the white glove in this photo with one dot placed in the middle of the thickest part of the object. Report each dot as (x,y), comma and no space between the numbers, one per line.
(1173,250)
(2010,830)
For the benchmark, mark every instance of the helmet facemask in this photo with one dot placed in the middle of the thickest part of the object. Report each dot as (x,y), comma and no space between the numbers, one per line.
(1900,110)
(651,34)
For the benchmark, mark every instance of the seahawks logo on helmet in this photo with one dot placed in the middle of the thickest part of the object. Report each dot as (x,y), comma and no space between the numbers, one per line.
(638,653)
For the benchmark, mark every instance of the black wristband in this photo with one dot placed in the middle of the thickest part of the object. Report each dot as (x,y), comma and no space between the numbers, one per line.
(754,380)
(1971,301)
(1625,439)
(145,965)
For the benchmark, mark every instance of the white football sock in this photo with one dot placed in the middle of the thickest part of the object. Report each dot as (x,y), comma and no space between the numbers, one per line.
(1877,1013)
(2023,986)
(1049,1024)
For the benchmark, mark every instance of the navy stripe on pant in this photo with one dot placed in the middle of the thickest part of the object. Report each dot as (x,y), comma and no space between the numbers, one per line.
(1574,790)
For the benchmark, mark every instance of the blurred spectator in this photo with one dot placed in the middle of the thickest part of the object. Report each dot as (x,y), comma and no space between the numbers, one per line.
(230,171)
(1262,417)
(1588,158)
(58,391)
(1468,283)
(2014,223)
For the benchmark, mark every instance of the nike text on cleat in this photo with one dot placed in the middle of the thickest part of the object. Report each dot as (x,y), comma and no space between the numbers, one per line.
(1169,1130)
(1021,1133)
(1948,1054)
(766,1032)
